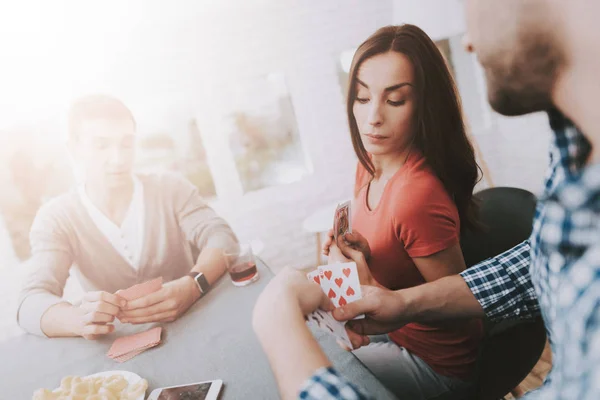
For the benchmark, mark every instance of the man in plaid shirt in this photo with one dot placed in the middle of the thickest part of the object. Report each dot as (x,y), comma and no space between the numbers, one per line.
(536,58)
(538,55)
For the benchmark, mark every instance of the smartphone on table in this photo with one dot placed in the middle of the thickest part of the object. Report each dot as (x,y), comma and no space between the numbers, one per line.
(208,390)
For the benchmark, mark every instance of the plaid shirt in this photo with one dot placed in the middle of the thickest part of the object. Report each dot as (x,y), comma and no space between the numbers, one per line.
(556,272)
(327,384)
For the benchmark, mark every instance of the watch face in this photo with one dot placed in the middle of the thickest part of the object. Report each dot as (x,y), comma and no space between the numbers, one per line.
(202,282)
(198,283)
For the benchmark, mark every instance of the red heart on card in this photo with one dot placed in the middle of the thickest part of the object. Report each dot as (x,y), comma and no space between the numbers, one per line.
(331,294)
(339,281)
(317,279)
(328,274)
(343,301)
(346,272)
(350,291)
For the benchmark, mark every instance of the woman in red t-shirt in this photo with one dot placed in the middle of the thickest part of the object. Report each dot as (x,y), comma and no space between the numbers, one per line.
(413,197)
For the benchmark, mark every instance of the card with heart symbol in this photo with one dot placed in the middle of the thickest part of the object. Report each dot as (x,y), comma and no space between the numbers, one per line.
(340,283)
(314,276)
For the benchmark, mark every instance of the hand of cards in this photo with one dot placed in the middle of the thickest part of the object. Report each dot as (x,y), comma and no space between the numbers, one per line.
(341,285)
(126,347)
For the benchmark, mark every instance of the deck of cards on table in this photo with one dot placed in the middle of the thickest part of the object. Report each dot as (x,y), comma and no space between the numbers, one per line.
(126,347)
(341,284)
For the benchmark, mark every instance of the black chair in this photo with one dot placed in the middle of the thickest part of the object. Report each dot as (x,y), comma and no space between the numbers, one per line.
(510,350)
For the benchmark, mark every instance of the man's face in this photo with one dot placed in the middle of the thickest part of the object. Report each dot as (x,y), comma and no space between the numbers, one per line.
(105,151)
(515,43)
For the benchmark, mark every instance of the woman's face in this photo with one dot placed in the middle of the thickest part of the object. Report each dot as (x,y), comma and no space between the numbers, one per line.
(385,103)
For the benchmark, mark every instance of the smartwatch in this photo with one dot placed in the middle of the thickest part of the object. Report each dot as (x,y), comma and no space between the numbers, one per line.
(201,281)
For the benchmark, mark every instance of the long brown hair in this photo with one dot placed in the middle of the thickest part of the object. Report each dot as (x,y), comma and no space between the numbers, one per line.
(440,131)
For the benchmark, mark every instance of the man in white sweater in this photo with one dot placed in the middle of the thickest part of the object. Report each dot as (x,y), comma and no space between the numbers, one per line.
(115,230)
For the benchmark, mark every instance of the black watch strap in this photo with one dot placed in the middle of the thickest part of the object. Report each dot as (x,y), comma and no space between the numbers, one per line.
(201,281)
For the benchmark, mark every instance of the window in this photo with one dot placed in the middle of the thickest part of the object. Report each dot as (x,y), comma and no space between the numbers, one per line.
(179,148)
(262,134)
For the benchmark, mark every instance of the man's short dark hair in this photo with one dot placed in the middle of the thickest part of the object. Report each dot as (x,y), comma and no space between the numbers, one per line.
(96,106)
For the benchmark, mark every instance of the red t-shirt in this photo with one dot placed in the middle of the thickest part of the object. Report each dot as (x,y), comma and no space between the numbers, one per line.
(416,218)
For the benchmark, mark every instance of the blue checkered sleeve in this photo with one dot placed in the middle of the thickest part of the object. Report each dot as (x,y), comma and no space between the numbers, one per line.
(502,284)
(576,338)
(327,384)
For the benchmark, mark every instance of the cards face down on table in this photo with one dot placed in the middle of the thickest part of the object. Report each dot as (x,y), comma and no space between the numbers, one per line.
(342,220)
(127,347)
(141,289)
(341,285)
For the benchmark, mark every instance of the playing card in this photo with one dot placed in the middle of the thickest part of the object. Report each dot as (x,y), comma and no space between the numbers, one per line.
(129,356)
(316,318)
(338,328)
(141,289)
(138,341)
(341,220)
(340,283)
(343,283)
(314,276)
(325,280)
(133,353)
(325,321)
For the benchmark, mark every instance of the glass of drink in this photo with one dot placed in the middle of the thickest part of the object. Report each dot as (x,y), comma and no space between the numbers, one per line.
(241,266)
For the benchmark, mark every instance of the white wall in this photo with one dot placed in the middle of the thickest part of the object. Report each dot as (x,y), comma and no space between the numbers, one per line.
(155,55)
(439,18)
(515,149)
(187,53)
(303,39)
(184,54)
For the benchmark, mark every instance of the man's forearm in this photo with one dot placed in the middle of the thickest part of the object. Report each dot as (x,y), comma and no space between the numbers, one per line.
(60,321)
(212,263)
(444,299)
(292,351)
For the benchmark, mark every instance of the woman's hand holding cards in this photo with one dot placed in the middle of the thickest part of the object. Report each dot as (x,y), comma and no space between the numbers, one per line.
(357,242)
(354,240)
(328,242)
(345,252)
(383,308)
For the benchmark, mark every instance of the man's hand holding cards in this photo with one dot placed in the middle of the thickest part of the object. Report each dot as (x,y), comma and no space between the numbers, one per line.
(340,282)
(165,303)
(127,347)
(341,285)
(140,290)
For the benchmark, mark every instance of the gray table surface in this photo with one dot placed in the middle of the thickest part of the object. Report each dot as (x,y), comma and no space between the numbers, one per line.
(213,340)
